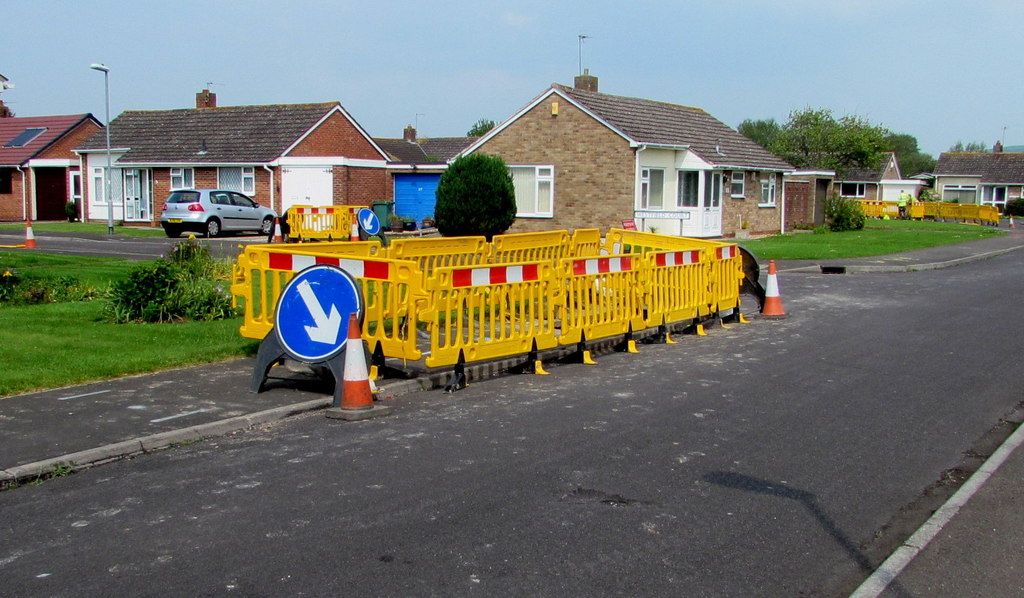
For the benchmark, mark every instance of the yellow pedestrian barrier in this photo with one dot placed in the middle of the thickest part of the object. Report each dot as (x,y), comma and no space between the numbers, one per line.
(982,214)
(604,297)
(530,247)
(325,223)
(439,252)
(678,286)
(586,242)
(490,311)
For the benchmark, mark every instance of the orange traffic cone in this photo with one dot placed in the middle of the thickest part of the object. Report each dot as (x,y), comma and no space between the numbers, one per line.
(278,237)
(356,401)
(30,239)
(772,307)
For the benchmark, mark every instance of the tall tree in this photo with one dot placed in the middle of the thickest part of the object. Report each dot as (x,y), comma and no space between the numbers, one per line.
(973,146)
(480,127)
(762,131)
(911,159)
(814,138)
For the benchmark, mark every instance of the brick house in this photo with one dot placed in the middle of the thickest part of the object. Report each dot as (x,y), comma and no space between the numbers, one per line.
(989,178)
(806,190)
(39,171)
(580,158)
(884,183)
(280,155)
(415,166)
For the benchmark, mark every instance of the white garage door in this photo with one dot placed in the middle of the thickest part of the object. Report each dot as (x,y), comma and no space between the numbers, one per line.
(306,185)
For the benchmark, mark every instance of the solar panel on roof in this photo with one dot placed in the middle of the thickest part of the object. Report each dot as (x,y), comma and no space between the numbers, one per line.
(25,137)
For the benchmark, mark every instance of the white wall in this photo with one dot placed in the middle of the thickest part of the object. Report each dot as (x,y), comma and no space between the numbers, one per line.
(98,205)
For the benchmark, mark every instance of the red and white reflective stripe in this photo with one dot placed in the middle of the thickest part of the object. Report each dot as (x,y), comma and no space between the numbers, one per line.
(602,265)
(481,277)
(677,258)
(313,210)
(725,253)
(357,268)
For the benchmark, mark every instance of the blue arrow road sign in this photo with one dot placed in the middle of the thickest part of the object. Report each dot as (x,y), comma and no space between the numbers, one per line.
(368,221)
(312,314)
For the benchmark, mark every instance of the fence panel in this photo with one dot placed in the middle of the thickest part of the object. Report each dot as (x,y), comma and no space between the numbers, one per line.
(603,297)
(530,247)
(432,253)
(331,223)
(490,312)
(677,286)
(586,242)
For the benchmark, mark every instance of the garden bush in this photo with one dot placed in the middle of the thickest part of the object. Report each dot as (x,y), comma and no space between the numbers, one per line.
(843,214)
(475,197)
(1015,207)
(31,290)
(186,285)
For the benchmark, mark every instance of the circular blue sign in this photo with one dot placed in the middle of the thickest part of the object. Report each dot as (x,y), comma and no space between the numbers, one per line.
(368,221)
(312,314)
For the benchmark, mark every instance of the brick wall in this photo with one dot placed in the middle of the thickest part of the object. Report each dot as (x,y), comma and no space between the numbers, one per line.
(65,146)
(594,167)
(336,136)
(799,203)
(360,186)
(10,203)
(760,220)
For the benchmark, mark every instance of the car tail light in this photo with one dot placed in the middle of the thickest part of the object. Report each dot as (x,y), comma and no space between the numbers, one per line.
(195,207)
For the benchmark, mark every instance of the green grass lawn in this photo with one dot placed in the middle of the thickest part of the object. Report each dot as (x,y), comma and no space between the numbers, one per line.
(97,228)
(56,344)
(879,237)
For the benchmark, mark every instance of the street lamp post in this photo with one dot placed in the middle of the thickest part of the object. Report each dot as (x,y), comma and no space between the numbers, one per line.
(106,179)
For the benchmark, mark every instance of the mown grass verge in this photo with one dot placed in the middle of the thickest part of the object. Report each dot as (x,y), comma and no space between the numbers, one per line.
(879,237)
(92,228)
(50,345)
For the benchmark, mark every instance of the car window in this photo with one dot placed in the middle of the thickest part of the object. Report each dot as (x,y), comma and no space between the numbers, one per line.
(240,200)
(183,197)
(221,199)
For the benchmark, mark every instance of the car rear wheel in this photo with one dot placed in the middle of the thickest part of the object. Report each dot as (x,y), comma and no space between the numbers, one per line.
(212,228)
(268,224)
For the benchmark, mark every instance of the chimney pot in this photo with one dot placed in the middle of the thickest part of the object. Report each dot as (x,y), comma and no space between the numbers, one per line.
(997,147)
(206,99)
(5,111)
(409,134)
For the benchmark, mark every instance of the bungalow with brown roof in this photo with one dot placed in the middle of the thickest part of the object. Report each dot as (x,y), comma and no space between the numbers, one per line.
(989,178)
(580,158)
(280,155)
(39,171)
(415,166)
(884,183)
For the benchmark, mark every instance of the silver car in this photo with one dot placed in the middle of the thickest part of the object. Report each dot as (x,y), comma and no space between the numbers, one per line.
(214,211)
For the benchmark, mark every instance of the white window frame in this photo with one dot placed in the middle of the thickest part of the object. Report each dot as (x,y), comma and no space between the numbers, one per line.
(99,185)
(645,188)
(187,178)
(248,180)
(742,182)
(768,187)
(543,173)
(681,175)
(860,189)
(990,191)
(973,188)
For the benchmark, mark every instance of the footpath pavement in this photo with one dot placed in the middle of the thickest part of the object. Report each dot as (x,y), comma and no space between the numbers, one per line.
(976,553)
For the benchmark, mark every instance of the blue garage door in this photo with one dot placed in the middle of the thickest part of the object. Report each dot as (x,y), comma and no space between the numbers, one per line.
(415,195)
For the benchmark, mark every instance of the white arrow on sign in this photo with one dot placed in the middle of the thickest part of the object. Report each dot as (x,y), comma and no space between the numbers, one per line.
(368,222)
(326,327)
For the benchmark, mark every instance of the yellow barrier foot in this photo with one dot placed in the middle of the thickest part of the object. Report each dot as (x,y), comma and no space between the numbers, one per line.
(631,346)
(374,373)
(700,330)
(587,360)
(743,319)
(538,368)
(669,340)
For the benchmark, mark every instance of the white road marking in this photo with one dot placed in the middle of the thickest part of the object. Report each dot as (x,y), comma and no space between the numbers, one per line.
(187,413)
(873,586)
(86,394)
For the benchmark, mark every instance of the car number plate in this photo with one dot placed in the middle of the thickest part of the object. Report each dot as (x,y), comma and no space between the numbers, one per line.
(174,220)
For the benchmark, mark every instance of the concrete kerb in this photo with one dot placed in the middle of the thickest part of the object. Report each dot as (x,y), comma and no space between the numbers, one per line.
(864,268)
(146,444)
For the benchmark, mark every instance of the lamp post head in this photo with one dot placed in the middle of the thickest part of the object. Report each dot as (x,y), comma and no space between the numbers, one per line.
(96,66)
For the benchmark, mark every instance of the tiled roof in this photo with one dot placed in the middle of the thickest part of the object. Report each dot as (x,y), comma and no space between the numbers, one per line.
(647,121)
(861,175)
(1003,167)
(56,127)
(445,148)
(436,150)
(229,134)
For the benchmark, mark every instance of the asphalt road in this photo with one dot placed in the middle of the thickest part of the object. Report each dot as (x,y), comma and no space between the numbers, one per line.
(766,459)
(133,248)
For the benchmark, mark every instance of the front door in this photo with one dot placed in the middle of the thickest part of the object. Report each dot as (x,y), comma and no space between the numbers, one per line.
(138,197)
(76,191)
(711,207)
(688,202)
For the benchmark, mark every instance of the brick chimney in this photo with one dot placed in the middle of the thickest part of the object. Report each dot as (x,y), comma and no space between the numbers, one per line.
(585,82)
(997,147)
(5,112)
(409,134)
(206,99)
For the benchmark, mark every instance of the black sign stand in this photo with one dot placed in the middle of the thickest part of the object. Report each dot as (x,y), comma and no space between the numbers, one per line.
(271,352)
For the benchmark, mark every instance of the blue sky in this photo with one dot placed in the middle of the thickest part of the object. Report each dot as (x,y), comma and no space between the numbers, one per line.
(942,71)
